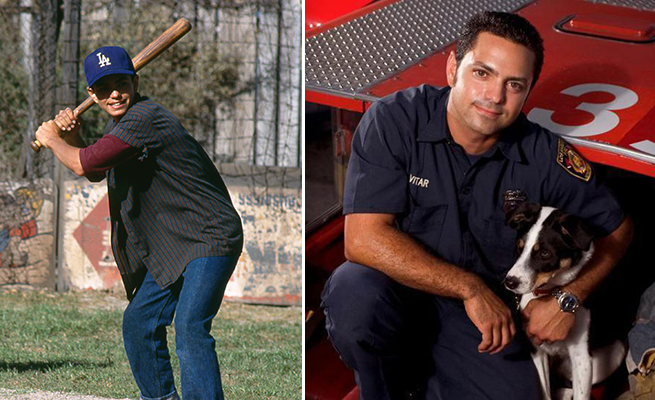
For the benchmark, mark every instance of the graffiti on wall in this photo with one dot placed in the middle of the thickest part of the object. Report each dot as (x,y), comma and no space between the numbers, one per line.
(88,258)
(26,235)
(270,268)
(94,237)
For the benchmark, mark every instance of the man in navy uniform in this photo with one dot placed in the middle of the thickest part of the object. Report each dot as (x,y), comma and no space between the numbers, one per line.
(430,174)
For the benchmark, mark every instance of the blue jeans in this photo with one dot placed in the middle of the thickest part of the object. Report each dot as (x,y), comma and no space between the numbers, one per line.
(194,300)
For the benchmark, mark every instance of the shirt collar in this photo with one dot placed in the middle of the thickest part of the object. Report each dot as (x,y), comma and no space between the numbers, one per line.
(437,130)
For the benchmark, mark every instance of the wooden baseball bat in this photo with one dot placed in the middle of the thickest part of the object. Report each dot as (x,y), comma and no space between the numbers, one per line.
(180,28)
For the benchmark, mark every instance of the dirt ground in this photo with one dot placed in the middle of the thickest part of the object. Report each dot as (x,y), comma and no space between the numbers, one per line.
(6,394)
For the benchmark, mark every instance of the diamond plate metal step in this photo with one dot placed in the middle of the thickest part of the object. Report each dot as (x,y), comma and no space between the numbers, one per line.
(351,57)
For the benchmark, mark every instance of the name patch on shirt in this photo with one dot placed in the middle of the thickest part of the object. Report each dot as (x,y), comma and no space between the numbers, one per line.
(572,162)
(418,181)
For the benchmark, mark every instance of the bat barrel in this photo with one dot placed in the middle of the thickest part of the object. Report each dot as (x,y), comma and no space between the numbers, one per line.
(180,28)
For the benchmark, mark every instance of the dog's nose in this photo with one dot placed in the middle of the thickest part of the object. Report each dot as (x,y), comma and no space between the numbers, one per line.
(511,282)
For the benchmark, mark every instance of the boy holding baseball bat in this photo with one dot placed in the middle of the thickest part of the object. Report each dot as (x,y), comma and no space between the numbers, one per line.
(176,236)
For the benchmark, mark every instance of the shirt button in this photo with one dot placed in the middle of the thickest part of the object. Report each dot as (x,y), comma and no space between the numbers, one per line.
(466,190)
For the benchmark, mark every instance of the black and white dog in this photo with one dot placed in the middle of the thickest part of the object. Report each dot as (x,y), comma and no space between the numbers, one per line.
(552,247)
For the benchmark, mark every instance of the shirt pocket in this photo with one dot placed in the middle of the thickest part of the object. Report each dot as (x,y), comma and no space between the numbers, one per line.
(499,246)
(425,224)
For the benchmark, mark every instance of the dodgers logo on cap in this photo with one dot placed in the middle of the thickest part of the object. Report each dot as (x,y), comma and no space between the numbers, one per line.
(106,61)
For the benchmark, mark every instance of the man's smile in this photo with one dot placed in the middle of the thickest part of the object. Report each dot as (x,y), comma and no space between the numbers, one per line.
(488,112)
(117,104)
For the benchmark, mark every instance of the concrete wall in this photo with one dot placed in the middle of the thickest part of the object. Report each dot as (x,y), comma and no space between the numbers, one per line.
(269,270)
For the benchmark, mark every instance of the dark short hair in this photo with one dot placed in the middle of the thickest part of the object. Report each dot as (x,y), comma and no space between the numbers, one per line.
(509,26)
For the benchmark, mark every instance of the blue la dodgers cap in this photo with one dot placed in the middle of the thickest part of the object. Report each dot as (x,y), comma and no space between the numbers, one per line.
(107,60)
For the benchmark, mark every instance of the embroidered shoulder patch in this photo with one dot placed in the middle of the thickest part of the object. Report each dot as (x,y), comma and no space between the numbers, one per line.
(572,162)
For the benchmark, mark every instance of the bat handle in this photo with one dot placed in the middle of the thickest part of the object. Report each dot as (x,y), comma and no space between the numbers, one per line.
(86,104)
(36,145)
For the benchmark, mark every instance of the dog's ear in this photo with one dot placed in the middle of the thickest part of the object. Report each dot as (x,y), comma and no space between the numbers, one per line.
(575,233)
(523,216)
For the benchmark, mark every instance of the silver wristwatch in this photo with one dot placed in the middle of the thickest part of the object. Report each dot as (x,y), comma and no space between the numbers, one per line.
(568,302)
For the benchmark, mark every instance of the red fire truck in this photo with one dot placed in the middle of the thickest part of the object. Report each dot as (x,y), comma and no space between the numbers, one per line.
(597,89)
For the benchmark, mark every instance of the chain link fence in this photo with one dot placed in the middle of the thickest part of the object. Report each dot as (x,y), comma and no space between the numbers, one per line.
(234,81)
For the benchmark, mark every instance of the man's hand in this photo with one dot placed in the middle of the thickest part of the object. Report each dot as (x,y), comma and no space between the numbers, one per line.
(492,318)
(69,122)
(65,125)
(47,132)
(545,321)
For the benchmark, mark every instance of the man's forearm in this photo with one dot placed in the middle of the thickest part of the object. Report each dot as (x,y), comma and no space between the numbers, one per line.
(387,249)
(608,251)
(373,240)
(67,154)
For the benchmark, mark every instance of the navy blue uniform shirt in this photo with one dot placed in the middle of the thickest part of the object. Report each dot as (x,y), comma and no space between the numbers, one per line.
(405,162)
(168,203)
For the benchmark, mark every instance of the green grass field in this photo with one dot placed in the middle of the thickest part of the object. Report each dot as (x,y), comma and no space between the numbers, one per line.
(71,342)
